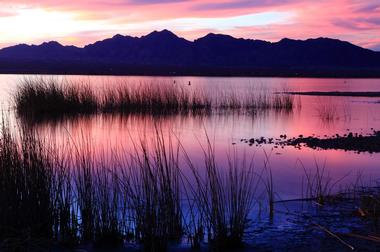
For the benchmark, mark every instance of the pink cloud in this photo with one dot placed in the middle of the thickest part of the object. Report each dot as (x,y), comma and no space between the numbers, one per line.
(352,20)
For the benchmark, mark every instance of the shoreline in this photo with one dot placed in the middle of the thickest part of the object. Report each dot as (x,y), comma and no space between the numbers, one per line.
(337,93)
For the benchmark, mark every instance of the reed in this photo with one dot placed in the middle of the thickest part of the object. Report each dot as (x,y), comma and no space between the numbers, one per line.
(224,197)
(370,206)
(25,192)
(49,98)
(151,182)
(268,183)
(110,213)
(66,223)
(76,196)
(327,110)
(319,185)
(98,196)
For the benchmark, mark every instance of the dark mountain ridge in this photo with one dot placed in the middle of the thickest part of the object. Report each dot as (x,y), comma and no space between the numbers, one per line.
(164,53)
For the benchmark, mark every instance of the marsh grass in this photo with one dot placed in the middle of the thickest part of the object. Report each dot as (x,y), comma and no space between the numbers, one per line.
(25,192)
(164,99)
(327,110)
(76,196)
(66,223)
(319,185)
(48,97)
(99,204)
(151,183)
(46,202)
(225,197)
(370,206)
(267,177)
(110,208)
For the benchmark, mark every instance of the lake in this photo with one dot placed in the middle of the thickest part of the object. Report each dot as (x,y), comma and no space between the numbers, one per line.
(219,174)
(226,130)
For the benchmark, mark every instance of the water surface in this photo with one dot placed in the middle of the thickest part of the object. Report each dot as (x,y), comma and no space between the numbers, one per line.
(356,114)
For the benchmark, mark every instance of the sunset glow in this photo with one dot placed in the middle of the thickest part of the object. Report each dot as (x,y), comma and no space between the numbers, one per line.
(82,22)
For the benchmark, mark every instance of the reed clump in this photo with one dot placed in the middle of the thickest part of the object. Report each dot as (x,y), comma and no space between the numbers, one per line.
(265,101)
(26,212)
(66,221)
(152,184)
(319,185)
(99,203)
(327,111)
(370,206)
(225,197)
(70,195)
(43,96)
(50,98)
(110,208)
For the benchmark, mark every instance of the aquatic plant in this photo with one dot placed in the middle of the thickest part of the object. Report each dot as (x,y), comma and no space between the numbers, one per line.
(49,98)
(319,185)
(225,198)
(26,212)
(327,111)
(152,185)
(145,195)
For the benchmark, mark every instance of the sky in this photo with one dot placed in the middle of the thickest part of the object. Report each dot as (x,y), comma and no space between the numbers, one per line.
(77,22)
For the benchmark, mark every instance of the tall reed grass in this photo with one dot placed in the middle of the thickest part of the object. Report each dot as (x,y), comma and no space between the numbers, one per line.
(224,196)
(47,97)
(26,212)
(71,195)
(327,110)
(319,185)
(152,184)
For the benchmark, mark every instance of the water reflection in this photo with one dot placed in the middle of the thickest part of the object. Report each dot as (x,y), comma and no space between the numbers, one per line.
(312,115)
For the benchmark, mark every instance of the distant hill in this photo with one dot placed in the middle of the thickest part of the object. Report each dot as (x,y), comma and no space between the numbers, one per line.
(164,53)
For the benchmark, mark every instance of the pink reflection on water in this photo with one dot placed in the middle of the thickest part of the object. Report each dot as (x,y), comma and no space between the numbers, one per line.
(110,132)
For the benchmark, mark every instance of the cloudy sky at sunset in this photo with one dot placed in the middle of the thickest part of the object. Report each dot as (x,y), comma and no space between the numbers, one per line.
(78,22)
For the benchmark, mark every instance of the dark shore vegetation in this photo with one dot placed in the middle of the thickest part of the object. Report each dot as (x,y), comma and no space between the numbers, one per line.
(348,142)
(336,93)
(68,197)
(50,98)
(225,198)
(26,187)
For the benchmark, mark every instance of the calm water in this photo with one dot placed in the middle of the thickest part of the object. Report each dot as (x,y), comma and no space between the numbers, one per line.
(353,114)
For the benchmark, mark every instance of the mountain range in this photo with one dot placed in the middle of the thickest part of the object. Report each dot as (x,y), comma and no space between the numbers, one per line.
(164,53)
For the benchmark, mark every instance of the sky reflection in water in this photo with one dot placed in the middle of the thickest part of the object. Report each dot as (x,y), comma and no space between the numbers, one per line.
(356,114)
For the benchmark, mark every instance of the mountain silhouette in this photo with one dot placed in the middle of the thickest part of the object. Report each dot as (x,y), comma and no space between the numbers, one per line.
(164,53)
